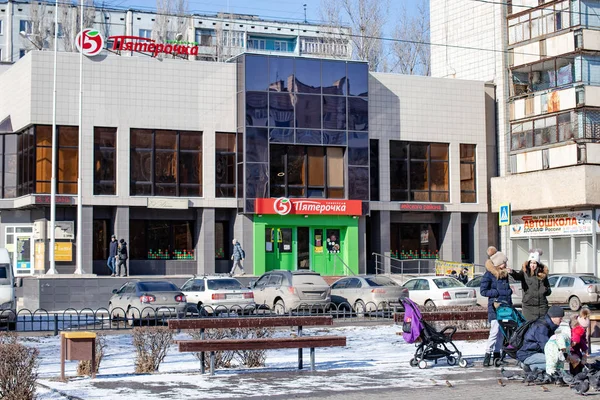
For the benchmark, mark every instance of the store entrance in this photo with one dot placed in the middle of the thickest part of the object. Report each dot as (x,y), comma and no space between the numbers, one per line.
(279,248)
(327,251)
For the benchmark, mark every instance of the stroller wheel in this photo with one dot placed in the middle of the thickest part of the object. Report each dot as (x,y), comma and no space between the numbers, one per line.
(422,364)
(413,362)
(462,363)
(451,360)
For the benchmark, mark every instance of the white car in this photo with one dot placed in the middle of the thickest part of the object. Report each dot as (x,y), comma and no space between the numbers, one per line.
(218,294)
(438,291)
(517,295)
(574,290)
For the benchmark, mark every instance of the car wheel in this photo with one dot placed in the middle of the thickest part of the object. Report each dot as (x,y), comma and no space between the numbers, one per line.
(131,321)
(359,308)
(430,305)
(279,307)
(574,303)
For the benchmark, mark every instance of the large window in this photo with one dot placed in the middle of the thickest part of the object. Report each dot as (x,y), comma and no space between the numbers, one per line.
(542,21)
(206,37)
(306,171)
(225,164)
(105,160)
(420,171)
(161,240)
(468,193)
(101,239)
(222,241)
(67,161)
(542,76)
(374,168)
(9,183)
(166,163)
(544,131)
(25,174)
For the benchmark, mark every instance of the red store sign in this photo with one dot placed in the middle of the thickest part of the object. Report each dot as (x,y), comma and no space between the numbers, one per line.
(421,207)
(285,206)
(145,45)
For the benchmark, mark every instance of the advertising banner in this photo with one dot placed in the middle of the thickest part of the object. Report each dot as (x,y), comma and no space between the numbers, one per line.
(63,251)
(554,224)
(285,206)
(446,267)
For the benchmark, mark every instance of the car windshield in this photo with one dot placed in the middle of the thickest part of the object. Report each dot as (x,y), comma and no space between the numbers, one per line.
(3,272)
(221,284)
(380,281)
(589,279)
(308,280)
(157,287)
(443,283)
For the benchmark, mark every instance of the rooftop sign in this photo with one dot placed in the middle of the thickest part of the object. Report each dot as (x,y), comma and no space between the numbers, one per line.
(145,45)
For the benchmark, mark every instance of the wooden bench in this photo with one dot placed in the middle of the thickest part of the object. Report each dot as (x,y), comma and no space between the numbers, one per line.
(450,316)
(212,345)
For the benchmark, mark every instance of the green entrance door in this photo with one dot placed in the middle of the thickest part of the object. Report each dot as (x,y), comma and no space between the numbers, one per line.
(280,252)
(328,250)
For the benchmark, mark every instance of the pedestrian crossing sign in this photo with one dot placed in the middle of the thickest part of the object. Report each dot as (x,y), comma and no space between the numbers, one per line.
(504,214)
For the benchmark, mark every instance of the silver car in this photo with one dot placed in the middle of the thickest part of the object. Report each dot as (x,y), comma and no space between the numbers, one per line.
(147,299)
(282,291)
(517,291)
(436,291)
(215,294)
(574,290)
(367,293)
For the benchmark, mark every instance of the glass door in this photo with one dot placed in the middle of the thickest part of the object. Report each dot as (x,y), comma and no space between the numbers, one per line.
(327,251)
(279,249)
(23,255)
(303,248)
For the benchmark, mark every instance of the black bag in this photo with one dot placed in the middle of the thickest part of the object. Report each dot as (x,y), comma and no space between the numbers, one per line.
(518,337)
(243,253)
(406,326)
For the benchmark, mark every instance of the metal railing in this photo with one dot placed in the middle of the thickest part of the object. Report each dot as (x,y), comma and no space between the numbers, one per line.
(118,318)
(419,266)
(337,257)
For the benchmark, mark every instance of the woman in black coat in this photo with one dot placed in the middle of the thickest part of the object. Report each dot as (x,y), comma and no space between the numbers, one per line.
(536,288)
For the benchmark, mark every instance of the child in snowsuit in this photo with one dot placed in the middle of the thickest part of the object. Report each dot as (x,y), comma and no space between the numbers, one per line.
(556,351)
(579,346)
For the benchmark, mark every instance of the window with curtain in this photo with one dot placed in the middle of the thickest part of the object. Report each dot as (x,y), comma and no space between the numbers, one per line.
(225,164)
(67,160)
(468,190)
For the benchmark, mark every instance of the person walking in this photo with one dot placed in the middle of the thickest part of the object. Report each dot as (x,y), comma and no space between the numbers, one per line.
(496,287)
(123,256)
(536,288)
(112,254)
(237,257)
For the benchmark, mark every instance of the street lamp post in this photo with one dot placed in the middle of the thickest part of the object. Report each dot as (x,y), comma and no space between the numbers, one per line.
(79,257)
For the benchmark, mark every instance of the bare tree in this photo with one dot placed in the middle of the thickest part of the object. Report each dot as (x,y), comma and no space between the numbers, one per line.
(171,22)
(366,18)
(39,28)
(411,51)
(69,19)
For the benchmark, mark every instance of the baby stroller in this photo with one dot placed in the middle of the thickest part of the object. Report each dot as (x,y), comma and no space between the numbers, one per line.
(434,345)
(509,320)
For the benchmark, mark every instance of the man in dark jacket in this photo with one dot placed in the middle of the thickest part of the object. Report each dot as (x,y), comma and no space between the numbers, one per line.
(123,256)
(531,353)
(495,286)
(463,277)
(112,254)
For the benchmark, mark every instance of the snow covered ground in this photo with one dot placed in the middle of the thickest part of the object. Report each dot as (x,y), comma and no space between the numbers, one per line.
(371,352)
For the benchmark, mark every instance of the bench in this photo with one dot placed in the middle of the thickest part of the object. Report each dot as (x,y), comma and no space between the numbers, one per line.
(451,316)
(212,345)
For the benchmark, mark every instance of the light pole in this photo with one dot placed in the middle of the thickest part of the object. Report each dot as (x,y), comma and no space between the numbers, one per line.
(26,36)
(78,257)
(52,269)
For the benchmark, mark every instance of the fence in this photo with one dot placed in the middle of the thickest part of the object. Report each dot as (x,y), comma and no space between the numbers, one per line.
(419,266)
(120,319)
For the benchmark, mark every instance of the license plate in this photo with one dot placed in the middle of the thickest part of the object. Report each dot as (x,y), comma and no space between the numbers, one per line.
(461,295)
(234,296)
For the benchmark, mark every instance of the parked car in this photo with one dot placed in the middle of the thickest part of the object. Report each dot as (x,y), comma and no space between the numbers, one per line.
(8,306)
(435,291)
(147,299)
(367,293)
(217,294)
(574,290)
(517,296)
(282,291)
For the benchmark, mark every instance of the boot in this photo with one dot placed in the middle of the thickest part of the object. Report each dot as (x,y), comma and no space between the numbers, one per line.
(487,360)
(496,356)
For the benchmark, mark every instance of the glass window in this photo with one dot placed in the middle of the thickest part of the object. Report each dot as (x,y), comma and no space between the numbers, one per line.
(222,240)
(443,283)
(358,183)
(468,192)
(358,114)
(281,110)
(206,37)
(281,136)
(304,136)
(256,109)
(101,239)
(257,75)
(10,166)
(105,162)
(566,281)
(161,240)
(157,287)
(335,172)
(562,254)
(334,112)
(552,280)
(225,164)
(332,137)
(281,73)
(583,254)
(257,141)
(223,284)
(308,111)
(358,148)
(358,79)
(257,181)
(333,77)
(308,76)
(285,240)
(146,33)
(316,167)
(374,169)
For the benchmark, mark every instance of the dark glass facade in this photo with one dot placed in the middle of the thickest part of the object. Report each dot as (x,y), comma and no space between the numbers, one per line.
(290,105)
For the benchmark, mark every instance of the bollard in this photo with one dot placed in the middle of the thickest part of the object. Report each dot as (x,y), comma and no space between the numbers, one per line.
(55,324)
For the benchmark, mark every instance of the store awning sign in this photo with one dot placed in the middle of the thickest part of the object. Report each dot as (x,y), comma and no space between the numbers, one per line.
(285,206)
(421,207)
(554,224)
(504,214)
(144,45)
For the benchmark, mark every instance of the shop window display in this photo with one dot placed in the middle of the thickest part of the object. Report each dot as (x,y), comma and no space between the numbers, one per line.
(161,240)
(414,241)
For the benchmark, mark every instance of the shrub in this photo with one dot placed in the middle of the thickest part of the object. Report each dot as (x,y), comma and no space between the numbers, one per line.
(85,367)
(151,346)
(18,371)
(253,358)
(8,337)
(222,358)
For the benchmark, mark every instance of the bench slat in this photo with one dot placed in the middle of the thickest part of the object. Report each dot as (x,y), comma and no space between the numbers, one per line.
(249,322)
(303,342)
(476,334)
(447,316)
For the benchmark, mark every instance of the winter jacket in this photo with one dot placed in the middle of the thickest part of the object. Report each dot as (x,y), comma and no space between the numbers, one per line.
(463,278)
(123,255)
(536,337)
(495,286)
(237,252)
(579,341)
(536,288)
(112,250)
(555,350)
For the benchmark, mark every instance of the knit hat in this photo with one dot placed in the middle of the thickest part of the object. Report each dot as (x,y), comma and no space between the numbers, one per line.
(498,259)
(534,255)
(556,312)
